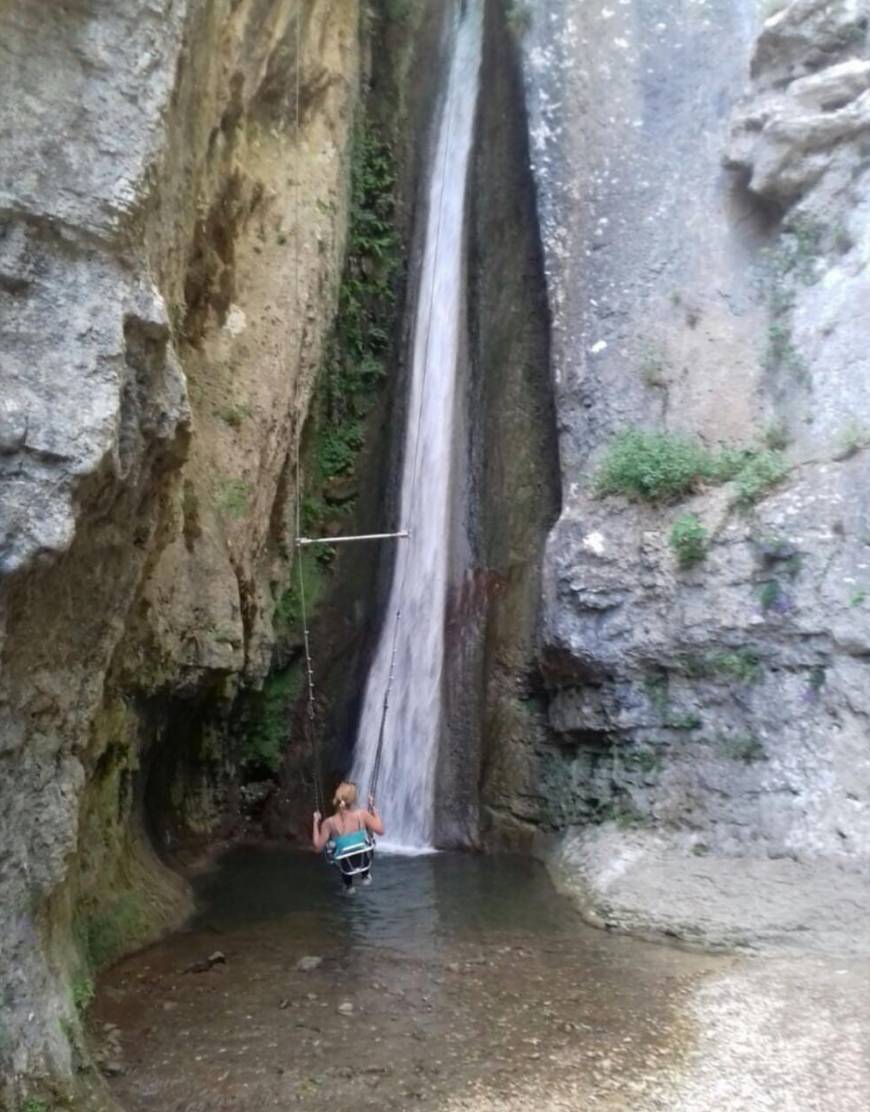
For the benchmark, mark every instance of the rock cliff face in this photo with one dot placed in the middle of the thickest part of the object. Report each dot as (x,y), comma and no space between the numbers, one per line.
(173,191)
(710,707)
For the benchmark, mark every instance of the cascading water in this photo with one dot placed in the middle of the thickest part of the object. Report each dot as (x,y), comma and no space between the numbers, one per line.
(410,747)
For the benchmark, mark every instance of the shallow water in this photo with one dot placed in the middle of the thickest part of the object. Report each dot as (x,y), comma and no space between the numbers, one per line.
(415,903)
(467,978)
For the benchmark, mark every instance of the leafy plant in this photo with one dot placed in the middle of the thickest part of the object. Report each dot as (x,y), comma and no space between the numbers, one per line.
(761,472)
(355,361)
(652,466)
(661,467)
(858,598)
(33,1104)
(689,540)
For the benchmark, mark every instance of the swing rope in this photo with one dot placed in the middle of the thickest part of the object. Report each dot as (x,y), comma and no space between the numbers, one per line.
(310,716)
(310,726)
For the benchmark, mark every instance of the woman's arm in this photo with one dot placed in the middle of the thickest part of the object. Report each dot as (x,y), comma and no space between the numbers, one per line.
(372,819)
(320,831)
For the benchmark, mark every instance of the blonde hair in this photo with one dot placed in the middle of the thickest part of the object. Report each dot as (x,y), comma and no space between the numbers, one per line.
(345,795)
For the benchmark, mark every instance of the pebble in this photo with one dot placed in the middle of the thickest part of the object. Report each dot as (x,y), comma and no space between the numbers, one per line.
(309,963)
(345,1008)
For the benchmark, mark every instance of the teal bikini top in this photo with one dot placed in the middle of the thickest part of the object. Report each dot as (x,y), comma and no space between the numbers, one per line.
(344,845)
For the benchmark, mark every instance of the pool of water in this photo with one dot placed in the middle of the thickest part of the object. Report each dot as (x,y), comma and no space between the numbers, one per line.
(414,902)
(451,976)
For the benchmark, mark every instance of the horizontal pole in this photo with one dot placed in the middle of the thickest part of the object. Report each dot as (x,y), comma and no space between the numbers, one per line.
(302,541)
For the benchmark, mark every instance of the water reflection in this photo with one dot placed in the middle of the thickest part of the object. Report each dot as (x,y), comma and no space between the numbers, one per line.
(414,903)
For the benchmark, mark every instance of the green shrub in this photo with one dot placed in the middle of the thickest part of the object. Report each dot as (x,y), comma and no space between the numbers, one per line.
(33,1104)
(661,467)
(759,474)
(652,466)
(689,540)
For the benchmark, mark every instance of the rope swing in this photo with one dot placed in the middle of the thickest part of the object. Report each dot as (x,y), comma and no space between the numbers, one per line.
(302,542)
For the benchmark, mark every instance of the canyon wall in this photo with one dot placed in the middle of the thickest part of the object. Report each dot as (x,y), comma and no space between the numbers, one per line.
(702,182)
(173,199)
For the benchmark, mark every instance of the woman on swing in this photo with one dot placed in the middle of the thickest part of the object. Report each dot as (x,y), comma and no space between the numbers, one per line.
(346,826)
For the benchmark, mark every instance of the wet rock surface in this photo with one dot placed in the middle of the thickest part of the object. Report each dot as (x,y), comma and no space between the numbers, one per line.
(465,984)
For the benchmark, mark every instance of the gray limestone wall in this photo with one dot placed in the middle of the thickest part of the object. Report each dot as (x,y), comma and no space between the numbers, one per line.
(702,193)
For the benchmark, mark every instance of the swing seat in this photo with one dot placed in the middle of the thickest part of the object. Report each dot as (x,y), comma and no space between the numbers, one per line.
(352,853)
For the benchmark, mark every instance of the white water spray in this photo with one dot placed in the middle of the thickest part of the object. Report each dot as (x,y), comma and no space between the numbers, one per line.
(419,590)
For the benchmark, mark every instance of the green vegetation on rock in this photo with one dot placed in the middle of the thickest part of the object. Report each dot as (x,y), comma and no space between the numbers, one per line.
(851,440)
(664,467)
(689,540)
(82,993)
(288,610)
(113,929)
(742,747)
(743,665)
(232,497)
(356,358)
(761,472)
(234,415)
(269,725)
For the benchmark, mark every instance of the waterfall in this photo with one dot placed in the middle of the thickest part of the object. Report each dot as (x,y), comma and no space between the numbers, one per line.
(419,588)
